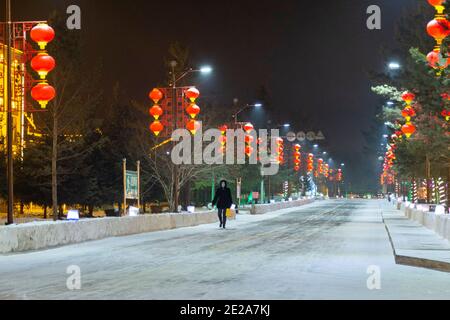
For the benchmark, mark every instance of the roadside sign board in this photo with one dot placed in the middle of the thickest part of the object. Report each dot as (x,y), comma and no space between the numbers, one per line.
(132,185)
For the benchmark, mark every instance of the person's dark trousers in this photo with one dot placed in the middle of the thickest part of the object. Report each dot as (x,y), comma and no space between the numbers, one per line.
(223,217)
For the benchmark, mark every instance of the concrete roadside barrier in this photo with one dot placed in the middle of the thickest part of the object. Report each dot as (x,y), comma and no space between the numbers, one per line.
(265,208)
(48,234)
(439,223)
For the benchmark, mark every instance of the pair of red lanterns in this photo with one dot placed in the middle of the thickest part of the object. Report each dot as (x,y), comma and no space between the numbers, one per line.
(43,64)
(280,151)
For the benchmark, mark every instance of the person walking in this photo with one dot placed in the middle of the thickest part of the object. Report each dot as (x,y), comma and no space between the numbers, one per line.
(223,201)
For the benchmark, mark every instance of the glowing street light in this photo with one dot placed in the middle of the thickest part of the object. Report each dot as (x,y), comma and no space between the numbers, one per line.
(206,69)
(248,106)
(394,66)
(173,64)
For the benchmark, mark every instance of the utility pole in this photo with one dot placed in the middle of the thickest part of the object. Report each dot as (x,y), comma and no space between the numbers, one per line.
(10,170)
(175,179)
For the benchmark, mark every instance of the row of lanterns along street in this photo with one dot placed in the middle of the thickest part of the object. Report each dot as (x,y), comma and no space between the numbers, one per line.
(43,63)
(408,129)
(157,112)
(439,29)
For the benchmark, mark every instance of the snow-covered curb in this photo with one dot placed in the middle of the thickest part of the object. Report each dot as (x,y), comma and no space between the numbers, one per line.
(48,234)
(265,208)
(439,223)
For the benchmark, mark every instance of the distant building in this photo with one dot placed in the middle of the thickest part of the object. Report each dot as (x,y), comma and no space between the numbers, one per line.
(23,123)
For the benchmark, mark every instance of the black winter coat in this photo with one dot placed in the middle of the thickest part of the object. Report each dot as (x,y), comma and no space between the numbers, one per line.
(223,198)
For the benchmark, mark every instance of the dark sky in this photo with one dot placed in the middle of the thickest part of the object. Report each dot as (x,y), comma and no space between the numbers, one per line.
(313,56)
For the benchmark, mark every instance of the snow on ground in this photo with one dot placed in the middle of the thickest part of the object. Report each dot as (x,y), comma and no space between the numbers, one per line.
(320,251)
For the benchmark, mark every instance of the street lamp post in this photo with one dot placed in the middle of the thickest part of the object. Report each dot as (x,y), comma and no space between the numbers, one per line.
(235,116)
(175,79)
(10,219)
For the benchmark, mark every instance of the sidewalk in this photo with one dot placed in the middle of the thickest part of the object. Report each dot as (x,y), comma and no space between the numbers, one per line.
(413,244)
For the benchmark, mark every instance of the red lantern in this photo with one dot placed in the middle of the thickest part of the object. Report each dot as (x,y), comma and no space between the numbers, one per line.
(156,127)
(435,3)
(297,147)
(439,29)
(156,95)
(42,34)
(43,64)
(223,140)
(249,151)
(408,97)
(248,127)
(193,126)
(43,93)
(156,112)
(408,113)
(192,94)
(193,110)
(437,61)
(280,141)
(446,114)
(223,129)
(409,129)
(249,139)
(297,168)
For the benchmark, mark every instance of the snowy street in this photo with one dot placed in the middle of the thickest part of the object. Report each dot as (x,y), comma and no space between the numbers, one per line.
(319,251)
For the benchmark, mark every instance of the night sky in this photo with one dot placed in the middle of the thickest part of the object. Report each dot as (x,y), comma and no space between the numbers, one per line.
(313,56)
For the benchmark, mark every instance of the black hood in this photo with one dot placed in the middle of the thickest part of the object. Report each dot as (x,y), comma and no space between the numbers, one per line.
(220,184)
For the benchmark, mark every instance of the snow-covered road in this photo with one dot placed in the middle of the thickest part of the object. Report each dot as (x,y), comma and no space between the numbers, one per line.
(320,251)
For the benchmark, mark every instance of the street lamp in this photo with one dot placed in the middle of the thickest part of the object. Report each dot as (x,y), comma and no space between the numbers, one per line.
(394,66)
(390,103)
(173,64)
(206,69)
(248,106)
(286,125)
